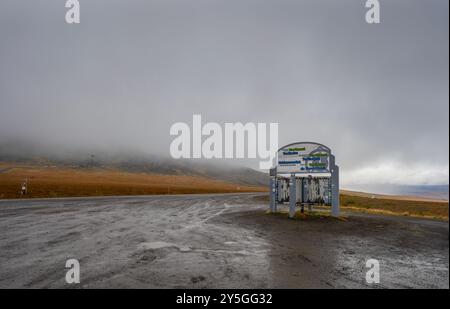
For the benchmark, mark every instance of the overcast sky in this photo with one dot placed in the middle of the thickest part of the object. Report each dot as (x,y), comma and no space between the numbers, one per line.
(376,94)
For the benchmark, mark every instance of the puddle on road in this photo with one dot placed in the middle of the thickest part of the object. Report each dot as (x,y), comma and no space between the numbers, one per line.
(162,244)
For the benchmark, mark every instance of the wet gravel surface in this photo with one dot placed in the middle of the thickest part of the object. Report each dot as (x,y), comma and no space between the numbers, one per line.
(211,241)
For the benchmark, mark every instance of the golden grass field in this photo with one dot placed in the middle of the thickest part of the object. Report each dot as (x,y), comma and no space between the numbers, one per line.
(431,209)
(64,182)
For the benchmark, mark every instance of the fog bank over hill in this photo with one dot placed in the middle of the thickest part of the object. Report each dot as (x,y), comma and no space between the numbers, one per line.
(140,162)
(136,162)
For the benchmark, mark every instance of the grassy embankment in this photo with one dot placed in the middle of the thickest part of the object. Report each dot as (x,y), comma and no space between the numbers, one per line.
(64,182)
(384,205)
(405,207)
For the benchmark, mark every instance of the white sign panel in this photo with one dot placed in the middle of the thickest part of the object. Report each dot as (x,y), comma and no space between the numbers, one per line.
(307,158)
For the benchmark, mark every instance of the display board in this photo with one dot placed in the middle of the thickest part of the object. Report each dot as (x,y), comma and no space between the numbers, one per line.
(304,158)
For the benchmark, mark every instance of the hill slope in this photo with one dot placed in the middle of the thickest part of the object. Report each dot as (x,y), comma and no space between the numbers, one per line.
(63,181)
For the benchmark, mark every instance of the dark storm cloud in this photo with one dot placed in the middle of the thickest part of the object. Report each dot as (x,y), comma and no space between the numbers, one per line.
(376,94)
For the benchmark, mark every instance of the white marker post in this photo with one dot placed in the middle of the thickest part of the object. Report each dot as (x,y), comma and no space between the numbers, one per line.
(292,196)
(334,188)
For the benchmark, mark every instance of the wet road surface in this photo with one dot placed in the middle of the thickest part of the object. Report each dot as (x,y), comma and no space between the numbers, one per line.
(211,241)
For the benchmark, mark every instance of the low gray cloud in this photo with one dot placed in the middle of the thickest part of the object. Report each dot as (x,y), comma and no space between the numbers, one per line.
(376,94)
